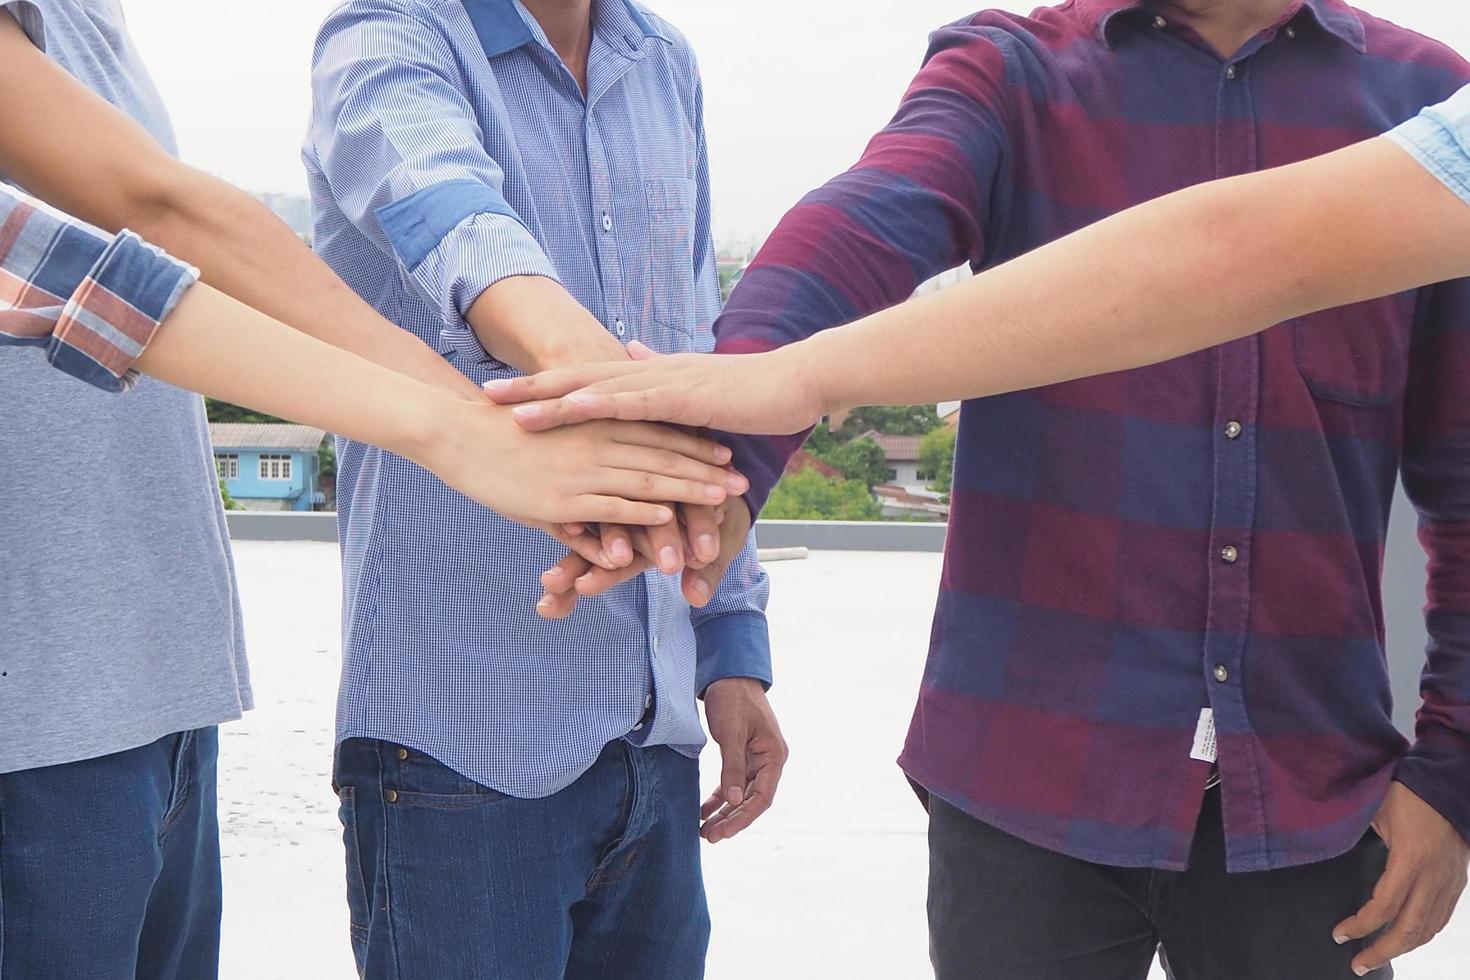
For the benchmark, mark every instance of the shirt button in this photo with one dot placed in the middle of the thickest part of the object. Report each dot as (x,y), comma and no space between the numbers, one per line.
(1230,73)
(1160,23)
(607,222)
(1291,32)
(1233,429)
(391,796)
(1221,674)
(621,328)
(638,727)
(1229,554)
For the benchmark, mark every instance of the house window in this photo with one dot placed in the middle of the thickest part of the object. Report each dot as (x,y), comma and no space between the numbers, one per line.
(228,465)
(275,466)
(892,475)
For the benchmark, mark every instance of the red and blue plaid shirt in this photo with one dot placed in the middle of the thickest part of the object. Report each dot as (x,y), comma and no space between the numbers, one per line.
(1128,550)
(92,301)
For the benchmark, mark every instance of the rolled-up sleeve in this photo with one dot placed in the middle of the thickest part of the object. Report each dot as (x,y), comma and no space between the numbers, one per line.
(93,301)
(1439,138)
(404,156)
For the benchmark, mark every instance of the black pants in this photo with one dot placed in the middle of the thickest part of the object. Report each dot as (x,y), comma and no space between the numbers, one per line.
(1003,909)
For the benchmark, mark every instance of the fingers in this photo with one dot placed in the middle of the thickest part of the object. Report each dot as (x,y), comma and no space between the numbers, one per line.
(759,796)
(699,584)
(559,582)
(702,529)
(667,462)
(618,546)
(675,440)
(666,547)
(575,409)
(588,546)
(594,508)
(1413,926)
(641,485)
(733,763)
(554,384)
(599,581)
(1388,898)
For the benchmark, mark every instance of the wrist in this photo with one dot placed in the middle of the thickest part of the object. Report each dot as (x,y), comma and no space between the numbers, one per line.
(802,364)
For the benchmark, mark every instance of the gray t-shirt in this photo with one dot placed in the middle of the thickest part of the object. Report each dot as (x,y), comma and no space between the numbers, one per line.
(119,618)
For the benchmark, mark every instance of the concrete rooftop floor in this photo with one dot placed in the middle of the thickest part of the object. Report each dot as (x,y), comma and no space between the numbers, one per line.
(830,883)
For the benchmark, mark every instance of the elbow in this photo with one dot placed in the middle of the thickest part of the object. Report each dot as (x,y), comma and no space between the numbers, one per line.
(162,204)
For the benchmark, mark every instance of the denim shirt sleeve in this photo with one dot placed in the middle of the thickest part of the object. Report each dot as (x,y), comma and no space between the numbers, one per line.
(402,151)
(1439,138)
(731,633)
(93,301)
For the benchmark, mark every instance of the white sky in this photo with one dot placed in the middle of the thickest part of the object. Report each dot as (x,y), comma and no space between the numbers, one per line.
(794,88)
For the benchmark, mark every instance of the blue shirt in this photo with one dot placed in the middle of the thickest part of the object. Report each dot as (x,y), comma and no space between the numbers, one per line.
(450,148)
(119,619)
(1439,138)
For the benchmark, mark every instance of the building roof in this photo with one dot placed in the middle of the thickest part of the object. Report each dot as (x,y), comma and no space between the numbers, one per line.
(260,435)
(804,460)
(898,449)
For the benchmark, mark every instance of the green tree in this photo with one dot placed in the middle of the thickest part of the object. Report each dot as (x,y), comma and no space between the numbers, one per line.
(891,420)
(936,457)
(219,411)
(810,496)
(862,460)
(225,498)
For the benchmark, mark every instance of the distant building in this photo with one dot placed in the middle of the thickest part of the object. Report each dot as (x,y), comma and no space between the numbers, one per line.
(804,460)
(268,467)
(903,457)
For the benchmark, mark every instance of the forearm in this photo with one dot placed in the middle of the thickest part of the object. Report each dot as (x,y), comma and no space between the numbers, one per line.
(219,347)
(1192,270)
(243,250)
(533,324)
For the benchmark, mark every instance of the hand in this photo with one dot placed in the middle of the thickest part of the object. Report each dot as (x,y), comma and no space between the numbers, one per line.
(575,576)
(604,472)
(761,394)
(752,751)
(1427,859)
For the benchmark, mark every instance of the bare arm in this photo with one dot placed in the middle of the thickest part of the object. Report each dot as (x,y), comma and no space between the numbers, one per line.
(216,345)
(1188,271)
(65,144)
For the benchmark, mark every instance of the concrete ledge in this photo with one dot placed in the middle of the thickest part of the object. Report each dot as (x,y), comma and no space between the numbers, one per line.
(815,535)
(252,526)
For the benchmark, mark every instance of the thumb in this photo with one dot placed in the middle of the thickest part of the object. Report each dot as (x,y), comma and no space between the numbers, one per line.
(639,351)
(732,769)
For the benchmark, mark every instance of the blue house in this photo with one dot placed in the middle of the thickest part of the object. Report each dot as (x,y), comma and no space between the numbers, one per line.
(268,467)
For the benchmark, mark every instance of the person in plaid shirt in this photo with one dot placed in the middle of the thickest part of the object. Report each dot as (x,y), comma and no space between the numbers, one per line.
(1157,661)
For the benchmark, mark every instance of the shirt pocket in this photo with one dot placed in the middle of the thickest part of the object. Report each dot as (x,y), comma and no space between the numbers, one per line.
(1358,354)
(671,219)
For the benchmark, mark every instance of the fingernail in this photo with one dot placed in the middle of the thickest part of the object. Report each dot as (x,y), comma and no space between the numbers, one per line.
(715,493)
(737,483)
(544,604)
(526,411)
(1361,971)
(664,515)
(707,547)
(702,587)
(1339,939)
(724,455)
(581,398)
(735,795)
(499,384)
(622,551)
(668,558)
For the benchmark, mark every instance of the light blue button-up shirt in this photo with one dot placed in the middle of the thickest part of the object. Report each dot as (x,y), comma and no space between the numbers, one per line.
(450,148)
(1439,138)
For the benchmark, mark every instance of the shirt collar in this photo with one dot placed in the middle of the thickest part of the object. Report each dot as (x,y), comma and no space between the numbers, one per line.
(1334,16)
(505,25)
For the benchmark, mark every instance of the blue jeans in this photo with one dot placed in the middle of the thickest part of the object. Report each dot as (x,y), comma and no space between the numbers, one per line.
(109,868)
(449,880)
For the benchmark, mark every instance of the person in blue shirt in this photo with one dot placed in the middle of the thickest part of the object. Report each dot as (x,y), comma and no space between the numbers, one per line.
(120,642)
(525,185)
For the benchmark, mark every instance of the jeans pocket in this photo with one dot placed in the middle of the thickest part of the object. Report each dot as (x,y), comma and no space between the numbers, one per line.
(181,772)
(415,779)
(358,904)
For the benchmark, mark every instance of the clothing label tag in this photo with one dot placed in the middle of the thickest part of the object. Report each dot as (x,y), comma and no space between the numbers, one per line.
(1204,737)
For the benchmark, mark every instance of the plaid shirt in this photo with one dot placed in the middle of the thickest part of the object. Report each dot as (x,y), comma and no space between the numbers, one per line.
(1128,550)
(93,301)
